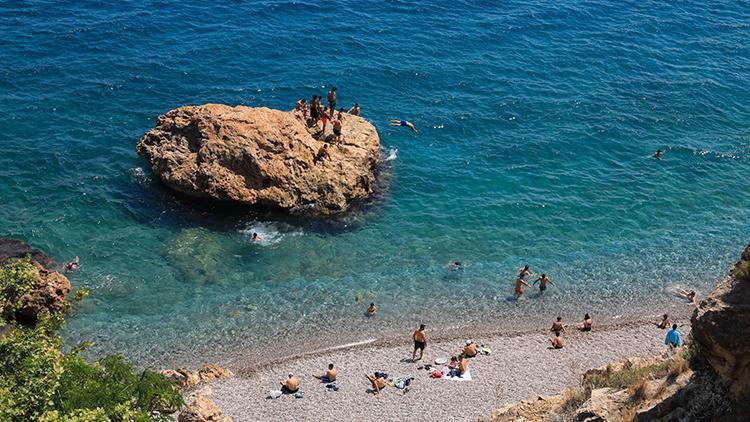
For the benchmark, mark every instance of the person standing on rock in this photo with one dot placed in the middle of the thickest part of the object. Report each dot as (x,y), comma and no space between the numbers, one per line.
(314,110)
(337,129)
(420,342)
(332,100)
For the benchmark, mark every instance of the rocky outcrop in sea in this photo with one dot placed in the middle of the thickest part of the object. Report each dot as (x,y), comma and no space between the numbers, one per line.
(263,157)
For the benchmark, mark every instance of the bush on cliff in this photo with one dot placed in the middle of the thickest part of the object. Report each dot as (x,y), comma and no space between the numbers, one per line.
(16,279)
(39,382)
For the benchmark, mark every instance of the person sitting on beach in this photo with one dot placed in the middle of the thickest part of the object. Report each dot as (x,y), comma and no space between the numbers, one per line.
(406,123)
(332,100)
(377,381)
(543,280)
(372,309)
(337,129)
(302,107)
(557,326)
(470,350)
(291,385)
(673,339)
(691,296)
(329,376)
(664,323)
(354,111)
(557,341)
(461,368)
(454,363)
(420,341)
(587,323)
(322,153)
(72,265)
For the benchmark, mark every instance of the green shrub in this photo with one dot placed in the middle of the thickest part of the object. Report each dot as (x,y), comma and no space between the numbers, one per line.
(16,279)
(741,271)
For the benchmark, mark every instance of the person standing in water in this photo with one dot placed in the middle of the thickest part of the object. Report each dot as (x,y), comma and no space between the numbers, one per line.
(372,309)
(543,280)
(420,342)
(405,123)
(522,272)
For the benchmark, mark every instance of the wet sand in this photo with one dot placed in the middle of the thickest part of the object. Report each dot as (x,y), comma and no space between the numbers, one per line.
(521,365)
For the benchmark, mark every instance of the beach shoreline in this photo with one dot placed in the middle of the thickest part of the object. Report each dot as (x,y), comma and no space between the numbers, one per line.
(520,366)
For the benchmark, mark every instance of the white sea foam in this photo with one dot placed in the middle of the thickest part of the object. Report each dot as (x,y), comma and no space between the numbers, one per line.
(269,233)
(391,155)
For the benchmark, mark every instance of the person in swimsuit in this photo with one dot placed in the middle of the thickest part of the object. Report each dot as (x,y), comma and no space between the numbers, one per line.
(420,341)
(329,376)
(377,381)
(314,110)
(691,296)
(557,341)
(396,122)
(332,100)
(72,265)
(372,309)
(337,129)
(354,111)
(543,280)
(664,323)
(291,385)
(587,323)
(322,153)
(558,327)
(658,154)
(301,106)
(470,350)
(455,266)
(256,238)
(340,114)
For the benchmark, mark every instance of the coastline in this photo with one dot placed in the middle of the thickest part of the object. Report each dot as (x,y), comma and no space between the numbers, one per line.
(519,367)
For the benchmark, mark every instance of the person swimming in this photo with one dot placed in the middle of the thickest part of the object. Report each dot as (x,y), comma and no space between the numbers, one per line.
(455,265)
(691,296)
(406,123)
(658,154)
(72,265)
(256,238)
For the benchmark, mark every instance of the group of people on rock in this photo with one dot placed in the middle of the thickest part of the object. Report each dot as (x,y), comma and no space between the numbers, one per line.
(315,112)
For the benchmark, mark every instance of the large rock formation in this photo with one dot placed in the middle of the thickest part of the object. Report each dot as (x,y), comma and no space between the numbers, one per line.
(50,290)
(185,378)
(259,156)
(721,326)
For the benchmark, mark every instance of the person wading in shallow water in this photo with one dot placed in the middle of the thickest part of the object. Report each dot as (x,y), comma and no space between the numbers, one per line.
(420,342)
(543,280)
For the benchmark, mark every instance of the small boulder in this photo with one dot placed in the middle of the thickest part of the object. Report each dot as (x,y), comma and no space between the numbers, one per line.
(203,409)
(604,405)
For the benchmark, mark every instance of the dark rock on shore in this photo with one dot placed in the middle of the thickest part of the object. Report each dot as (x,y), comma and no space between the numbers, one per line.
(12,248)
(264,157)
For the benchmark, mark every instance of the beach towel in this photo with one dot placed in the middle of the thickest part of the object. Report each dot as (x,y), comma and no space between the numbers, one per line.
(465,377)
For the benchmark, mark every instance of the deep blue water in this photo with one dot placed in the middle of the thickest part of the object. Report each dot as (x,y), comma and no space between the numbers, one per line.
(537,124)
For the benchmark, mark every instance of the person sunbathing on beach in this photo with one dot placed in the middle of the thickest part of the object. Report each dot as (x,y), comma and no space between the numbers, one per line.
(354,111)
(557,326)
(691,296)
(470,350)
(329,376)
(557,341)
(72,265)
(454,363)
(372,309)
(543,280)
(587,323)
(291,385)
(461,368)
(406,123)
(377,381)
(420,341)
(664,323)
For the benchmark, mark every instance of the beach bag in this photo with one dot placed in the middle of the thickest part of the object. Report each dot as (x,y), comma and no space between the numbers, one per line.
(436,374)
(275,394)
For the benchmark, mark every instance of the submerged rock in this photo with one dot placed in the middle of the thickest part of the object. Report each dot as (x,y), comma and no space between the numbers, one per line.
(260,156)
(721,325)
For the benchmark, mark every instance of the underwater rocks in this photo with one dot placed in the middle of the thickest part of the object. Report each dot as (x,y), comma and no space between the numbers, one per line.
(264,157)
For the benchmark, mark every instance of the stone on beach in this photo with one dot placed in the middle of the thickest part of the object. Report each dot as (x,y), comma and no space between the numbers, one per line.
(260,156)
(185,378)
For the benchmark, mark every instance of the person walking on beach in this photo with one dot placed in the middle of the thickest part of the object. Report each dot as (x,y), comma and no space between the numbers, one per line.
(332,100)
(329,376)
(420,341)
(673,339)
(406,123)
(664,323)
(291,385)
(557,341)
(587,323)
(558,327)
(543,280)
(354,111)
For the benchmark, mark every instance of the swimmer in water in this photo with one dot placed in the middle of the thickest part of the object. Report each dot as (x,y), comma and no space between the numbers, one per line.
(396,122)
(372,309)
(523,272)
(519,286)
(72,265)
(256,237)
(691,296)
(658,154)
(543,280)
(455,266)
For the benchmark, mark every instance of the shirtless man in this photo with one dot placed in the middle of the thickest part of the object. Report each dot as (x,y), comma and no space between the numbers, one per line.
(463,366)
(354,111)
(314,110)
(558,327)
(340,114)
(587,323)
(455,266)
(691,296)
(302,107)
(406,123)
(291,385)
(377,381)
(557,341)
(470,350)
(337,129)
(543,280)
(329,376)
(256,238)
(664,323)
(332,100)
(72,265)
(420,341)
(372,309)
(322,153)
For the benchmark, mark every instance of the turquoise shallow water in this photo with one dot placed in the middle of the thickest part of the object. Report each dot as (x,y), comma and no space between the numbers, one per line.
(537,122)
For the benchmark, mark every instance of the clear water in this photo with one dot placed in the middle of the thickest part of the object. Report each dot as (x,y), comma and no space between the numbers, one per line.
(537,124)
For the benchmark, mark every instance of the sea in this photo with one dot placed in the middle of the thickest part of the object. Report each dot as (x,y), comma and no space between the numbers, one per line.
(537,124)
